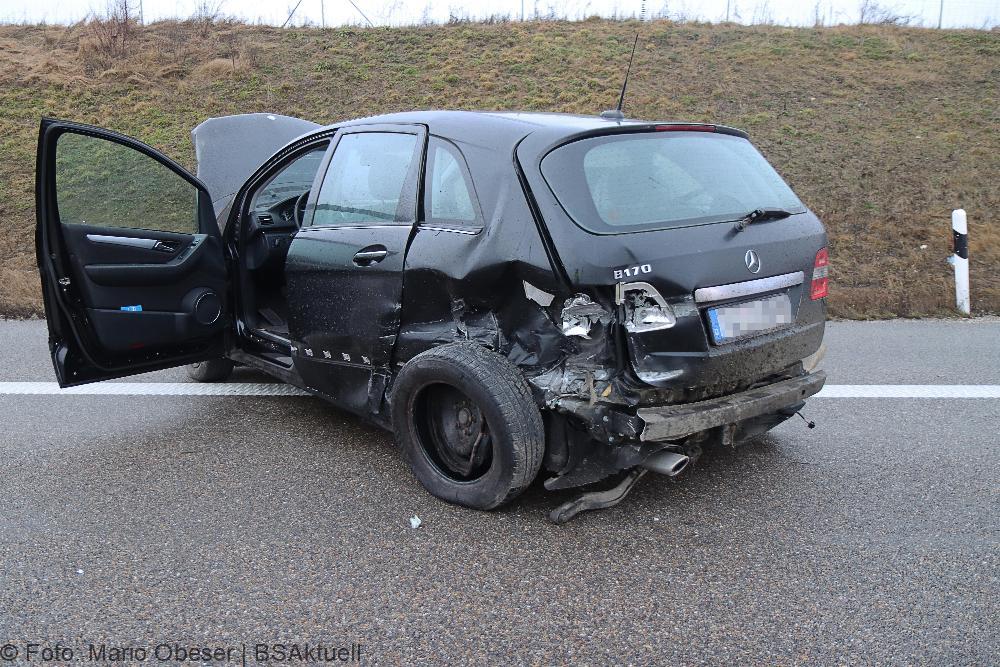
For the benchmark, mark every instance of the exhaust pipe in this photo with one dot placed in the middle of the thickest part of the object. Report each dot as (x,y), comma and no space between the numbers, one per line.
(667,463)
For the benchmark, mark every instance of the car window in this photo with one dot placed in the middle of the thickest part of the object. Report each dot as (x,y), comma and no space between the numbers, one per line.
(658,180)
(291,182)
(448,193)
(106,184)
(366,180)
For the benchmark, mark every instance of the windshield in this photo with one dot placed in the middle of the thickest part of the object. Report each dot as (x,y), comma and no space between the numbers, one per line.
(658,180)
(291,181)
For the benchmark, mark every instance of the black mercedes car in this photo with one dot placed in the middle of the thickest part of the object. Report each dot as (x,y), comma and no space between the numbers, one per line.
(512,294)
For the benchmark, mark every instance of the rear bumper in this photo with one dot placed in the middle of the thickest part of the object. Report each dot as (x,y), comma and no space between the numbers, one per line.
(672,422)
(719,366)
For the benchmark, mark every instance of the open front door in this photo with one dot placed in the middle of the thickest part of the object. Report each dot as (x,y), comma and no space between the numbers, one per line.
(130,257)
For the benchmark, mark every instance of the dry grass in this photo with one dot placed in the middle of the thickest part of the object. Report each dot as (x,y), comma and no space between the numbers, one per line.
(20,291)
(881,130)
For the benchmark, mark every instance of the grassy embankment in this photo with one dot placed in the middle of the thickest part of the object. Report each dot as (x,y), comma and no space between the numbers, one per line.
(881,130)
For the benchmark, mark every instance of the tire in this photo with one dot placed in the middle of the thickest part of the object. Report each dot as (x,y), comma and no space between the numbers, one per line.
(460,397)
(213,370)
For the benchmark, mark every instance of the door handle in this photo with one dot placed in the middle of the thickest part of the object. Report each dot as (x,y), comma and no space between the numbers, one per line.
(165,246)
(370,255)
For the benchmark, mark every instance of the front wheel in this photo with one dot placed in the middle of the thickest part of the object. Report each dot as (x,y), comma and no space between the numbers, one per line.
(466,421)
(212,370)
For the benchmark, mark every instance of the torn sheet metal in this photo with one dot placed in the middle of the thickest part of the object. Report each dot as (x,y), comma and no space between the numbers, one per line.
(580,315)
(541,297)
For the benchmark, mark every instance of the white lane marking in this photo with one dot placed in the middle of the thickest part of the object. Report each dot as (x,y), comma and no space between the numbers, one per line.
(278,389)
(156,389)
(910,391)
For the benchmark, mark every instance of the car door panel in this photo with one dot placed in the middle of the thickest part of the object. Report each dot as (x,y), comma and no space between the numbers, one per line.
(346,326)
(109,257)
(112,245)
(185,264)
(114,276)
(127,241)
(345,278)
(121,300)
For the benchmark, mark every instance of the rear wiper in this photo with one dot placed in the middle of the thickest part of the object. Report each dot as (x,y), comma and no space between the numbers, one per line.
(760,215)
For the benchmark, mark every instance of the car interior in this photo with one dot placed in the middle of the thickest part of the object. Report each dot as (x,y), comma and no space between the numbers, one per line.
(275,213)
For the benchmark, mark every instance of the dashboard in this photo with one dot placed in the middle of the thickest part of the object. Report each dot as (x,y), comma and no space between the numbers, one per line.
(269,232)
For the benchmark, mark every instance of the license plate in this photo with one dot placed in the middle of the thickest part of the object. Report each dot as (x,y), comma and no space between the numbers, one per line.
(743,319)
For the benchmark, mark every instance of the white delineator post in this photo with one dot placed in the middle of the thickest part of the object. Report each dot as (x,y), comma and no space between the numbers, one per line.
(960,242)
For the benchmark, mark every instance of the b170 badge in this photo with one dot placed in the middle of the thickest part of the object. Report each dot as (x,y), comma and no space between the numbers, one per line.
(632,271)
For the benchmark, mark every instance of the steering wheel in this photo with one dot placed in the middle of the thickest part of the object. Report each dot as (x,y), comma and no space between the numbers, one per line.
(300,208)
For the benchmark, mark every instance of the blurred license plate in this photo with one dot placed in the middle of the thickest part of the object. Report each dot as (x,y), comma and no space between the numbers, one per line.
(743,319)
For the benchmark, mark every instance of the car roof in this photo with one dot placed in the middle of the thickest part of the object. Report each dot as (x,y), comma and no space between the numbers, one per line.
(495,128)
(504,130)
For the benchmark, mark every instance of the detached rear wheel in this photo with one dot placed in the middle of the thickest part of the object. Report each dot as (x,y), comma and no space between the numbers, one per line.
(467,423)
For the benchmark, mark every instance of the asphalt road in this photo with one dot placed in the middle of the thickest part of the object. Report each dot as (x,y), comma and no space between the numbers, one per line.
(217,521)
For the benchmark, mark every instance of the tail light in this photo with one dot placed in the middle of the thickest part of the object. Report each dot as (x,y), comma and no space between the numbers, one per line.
(820,282)
(645,308)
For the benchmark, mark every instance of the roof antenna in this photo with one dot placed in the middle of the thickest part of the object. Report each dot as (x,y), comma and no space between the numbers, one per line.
(616,113)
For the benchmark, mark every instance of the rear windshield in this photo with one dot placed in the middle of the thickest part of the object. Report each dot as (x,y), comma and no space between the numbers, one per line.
(658,180)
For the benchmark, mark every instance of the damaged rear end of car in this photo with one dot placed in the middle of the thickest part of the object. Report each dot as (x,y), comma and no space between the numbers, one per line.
(692,306)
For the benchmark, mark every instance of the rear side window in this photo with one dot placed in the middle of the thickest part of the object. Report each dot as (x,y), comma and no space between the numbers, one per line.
(658,180)
(369,180)
(448,189)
